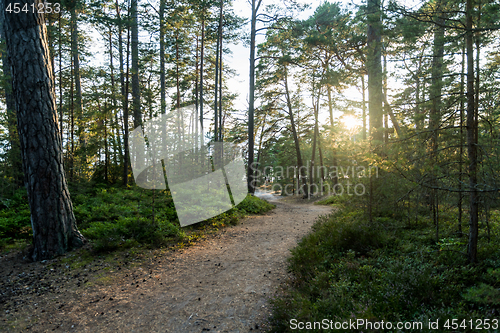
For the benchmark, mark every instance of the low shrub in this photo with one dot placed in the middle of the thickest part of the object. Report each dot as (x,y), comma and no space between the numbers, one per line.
(113,218)
(253,205)
(349,269)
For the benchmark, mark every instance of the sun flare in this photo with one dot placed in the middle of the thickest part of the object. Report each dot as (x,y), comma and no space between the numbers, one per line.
(350,122)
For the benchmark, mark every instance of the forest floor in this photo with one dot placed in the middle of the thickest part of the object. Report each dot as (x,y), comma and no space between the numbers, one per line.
(220,284)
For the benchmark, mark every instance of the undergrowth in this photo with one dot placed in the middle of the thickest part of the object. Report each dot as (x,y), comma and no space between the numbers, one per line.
(348,268)
(113,218)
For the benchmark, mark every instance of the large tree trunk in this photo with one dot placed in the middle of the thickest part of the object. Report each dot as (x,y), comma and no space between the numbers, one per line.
(52,219)
(374,69)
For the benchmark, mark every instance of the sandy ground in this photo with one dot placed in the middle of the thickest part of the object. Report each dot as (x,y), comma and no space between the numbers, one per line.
(221,284)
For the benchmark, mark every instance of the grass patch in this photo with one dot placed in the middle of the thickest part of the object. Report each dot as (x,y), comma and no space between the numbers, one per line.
(348,268)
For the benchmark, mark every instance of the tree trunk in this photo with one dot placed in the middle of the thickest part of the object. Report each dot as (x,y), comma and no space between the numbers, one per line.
(115,126)
(330,109)
(202,58)
(384,94)
(136,93)
(300,164)
(60,76)
(251,97)
(72,127)
(435,110)
(471,142)
(78,83)
(363,88)
(315,136)
(216,89)
(163,104)
(124,93)
(14,154)
(461,152)
(220,70)
(52,219)
(374,69)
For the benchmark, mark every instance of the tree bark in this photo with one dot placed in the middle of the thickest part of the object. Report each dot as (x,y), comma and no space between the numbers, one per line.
(136,93)
(374,69)
(216,87)
(202,58)
(300,164)
(52,219)
(251,97)
(471,142)
(14,154)
(124,93)
(163,104)
(435,110)
(461,152)
(78,82)
(363,88)
(220,69)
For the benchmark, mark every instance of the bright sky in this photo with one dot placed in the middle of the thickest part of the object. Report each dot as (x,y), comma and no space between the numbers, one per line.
(240,62)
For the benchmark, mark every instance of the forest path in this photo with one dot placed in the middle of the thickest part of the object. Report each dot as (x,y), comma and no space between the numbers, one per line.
(220,284)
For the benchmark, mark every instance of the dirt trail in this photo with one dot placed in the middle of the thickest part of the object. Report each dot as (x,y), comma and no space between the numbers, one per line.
(221,284)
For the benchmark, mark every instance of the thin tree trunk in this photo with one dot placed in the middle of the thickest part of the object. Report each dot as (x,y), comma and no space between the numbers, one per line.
(478,72)
(216,87)
(136,93)
(435,111)
(220,71)
(115,126)
(384,94)
(313,155)
(461,153)
(363,88)
(330,110)
(72,127)
(471,142)
(78,85)
(163,104)
(196,98)
(60,77)
(10,103)
(124,93)
(251,98)
(321,159)
(294,133)
(374,69)
(315,135)
(202,58)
